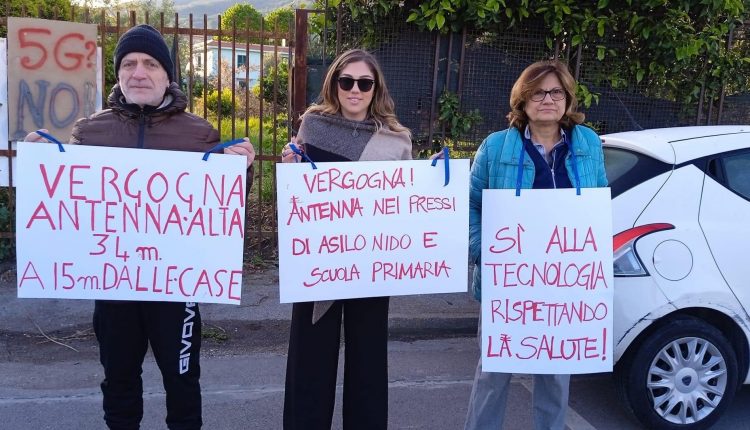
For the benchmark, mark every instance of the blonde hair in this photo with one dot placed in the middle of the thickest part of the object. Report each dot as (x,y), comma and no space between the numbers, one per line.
(381,109)
(529,82)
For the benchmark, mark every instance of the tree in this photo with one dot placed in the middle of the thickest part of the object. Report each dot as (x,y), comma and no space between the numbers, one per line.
(47,9)
(155,8)
(244,16)
(671,50)
(281,18)
(108,6)
(265,87)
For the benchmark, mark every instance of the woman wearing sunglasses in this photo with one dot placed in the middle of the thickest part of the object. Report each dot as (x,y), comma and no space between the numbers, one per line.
(354,121)
(558,153)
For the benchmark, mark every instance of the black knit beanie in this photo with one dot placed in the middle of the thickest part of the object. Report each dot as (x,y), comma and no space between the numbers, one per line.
(145,39)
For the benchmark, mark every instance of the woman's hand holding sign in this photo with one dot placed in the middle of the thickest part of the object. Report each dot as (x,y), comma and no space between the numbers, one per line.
(288,155)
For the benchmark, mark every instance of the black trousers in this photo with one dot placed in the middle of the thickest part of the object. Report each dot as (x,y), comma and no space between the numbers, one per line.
(313,361)
(124,330)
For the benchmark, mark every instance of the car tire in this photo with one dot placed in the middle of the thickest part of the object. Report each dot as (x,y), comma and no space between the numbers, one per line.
(690,395)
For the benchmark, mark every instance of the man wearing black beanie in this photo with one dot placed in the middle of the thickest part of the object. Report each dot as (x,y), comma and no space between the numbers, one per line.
(147,110)
(146,39)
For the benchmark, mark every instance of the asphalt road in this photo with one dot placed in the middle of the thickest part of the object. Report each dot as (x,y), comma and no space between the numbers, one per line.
(50,373)
(430,381)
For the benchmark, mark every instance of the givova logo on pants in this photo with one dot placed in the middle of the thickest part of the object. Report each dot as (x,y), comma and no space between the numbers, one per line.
(187,335)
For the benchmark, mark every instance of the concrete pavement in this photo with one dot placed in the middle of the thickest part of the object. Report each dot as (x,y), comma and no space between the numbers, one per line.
(419,315)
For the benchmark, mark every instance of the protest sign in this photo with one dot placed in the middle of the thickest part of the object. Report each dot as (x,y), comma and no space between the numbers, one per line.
(129,224)
(52,69)
(369,229)
(547,281)
(3,94)
(4,166)
(8,160)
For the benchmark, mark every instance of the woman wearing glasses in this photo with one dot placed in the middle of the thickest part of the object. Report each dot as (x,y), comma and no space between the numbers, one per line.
(354,121)
(543,123)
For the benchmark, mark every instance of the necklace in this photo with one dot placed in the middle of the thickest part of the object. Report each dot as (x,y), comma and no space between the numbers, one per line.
(355,132)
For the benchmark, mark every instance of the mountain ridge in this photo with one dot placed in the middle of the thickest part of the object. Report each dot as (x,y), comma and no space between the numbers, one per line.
(215,7)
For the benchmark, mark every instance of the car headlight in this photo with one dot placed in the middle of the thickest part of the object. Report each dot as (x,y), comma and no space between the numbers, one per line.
(625,260)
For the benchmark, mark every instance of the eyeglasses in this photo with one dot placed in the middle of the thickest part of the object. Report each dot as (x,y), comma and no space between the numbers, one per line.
(555,94)
(346,83)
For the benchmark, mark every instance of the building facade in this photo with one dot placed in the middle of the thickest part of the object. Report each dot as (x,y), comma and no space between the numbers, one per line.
(206,58)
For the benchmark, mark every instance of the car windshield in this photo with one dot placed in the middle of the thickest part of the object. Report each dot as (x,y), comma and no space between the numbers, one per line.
(626,169)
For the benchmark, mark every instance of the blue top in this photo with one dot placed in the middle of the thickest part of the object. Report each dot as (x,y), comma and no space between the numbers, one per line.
(496,166)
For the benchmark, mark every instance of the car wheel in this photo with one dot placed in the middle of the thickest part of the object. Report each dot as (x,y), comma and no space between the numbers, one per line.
(683,376)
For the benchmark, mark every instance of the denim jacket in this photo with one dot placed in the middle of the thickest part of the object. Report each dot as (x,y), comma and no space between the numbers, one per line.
(496,167)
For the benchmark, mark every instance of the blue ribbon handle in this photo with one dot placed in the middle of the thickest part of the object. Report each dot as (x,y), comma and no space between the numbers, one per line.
(519,177)
(297,151)
(575,164)
(447,158)
(226,144)
(51,138)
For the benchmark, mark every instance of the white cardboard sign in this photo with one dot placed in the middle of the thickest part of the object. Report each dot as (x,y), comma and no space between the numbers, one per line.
(547,281)
(4,166)
(129,224)
(369,229)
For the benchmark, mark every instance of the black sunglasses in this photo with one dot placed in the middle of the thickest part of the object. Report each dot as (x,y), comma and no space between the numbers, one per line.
(346,83)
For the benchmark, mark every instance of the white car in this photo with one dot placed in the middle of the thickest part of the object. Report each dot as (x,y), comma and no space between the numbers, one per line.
(681,205)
